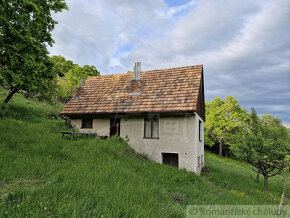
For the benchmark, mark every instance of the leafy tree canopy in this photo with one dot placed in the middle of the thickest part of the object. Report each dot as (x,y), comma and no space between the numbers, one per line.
(69,76)
(25,31)
(223,117)
(265,145)
(60,65)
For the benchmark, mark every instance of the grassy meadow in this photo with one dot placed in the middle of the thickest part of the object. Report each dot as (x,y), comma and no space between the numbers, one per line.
(45,175)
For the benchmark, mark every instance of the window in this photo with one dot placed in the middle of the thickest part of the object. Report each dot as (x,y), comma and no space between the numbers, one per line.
(87,123)
(151,128)
(200,130)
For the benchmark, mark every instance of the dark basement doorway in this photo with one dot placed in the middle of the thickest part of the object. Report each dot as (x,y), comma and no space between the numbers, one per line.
(170,159)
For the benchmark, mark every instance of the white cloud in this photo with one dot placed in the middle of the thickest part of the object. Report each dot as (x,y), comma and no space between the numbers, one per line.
(181,8)
(244,45)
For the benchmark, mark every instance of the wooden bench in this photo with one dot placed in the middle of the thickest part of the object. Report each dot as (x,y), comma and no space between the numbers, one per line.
(102,136)
(78,133)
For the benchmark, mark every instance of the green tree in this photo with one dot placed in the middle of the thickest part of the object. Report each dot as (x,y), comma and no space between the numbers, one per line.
(265,145)
(60,65)
(223,118)
(68,77)
(68,84)
(25,31)
(77,73)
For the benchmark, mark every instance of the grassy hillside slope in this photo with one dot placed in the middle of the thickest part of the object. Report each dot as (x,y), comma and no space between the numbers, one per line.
(43,174)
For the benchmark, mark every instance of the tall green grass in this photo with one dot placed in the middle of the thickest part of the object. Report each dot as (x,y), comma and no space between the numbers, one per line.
(45,175)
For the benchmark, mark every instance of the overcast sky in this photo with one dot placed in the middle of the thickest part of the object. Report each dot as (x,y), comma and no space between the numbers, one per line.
(243,45)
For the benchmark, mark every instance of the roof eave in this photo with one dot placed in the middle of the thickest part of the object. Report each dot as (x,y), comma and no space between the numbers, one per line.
(129,113)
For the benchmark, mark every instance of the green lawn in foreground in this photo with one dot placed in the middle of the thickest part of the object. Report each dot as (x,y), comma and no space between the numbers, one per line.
(43,174)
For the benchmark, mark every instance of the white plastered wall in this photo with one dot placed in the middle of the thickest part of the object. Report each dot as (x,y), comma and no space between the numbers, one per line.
(101,126)
(176,135)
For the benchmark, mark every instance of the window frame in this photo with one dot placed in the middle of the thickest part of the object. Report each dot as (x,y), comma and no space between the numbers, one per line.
(199,130)
(151,119)
(92,124)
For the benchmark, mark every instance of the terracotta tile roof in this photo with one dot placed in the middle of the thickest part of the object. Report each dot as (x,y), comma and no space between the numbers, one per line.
(168,90)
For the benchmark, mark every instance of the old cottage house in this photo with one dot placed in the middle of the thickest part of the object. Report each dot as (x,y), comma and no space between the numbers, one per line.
(161,111)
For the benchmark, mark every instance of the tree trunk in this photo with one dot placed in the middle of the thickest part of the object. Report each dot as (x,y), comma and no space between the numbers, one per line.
(220,149)
(11,93)
(258,174)
(283,199)
(265,183)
